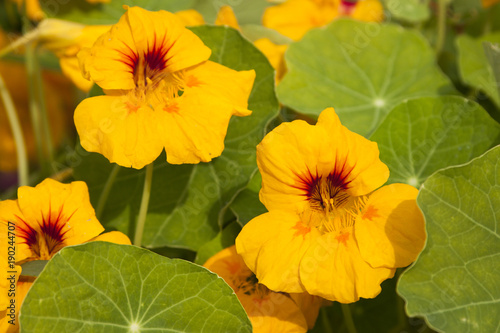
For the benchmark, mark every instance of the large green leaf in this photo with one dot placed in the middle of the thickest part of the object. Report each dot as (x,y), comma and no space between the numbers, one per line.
(105,13)
(492,52)
(474,66)
(421,136)
(454,282)
(104,287)
(188,202)
(362,70)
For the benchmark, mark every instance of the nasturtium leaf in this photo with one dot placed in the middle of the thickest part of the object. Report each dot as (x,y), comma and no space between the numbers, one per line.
(492,52)
(413,11)
(33,268)
(454,283)
(246,205)
(105,13)
(362,70)
(224,239)
(246,12)
(423,135)
(474,67)
(104,287)
(465,6)
(188,202)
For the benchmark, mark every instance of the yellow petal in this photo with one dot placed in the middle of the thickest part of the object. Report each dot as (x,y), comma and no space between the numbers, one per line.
(71,68)
(10,212)
(124,133)
(22,289)
(368,11)
(390,230)
(293,18)
(309,305)
(190,17)
(68,203)
(273,245)
(197,121)
(141,41)
(333,268)
(294,154)
(226,16)
(113,237)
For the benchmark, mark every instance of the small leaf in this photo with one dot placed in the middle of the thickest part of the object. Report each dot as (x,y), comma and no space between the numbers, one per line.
(492,52)
(246,12)
(412,11)
(104,287)
(474,67)
(369,68)
(454,283)
(423,135)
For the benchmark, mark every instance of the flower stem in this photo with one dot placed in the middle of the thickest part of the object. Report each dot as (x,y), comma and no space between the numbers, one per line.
(106,190)
(143,210)
(441,33)
(327,327)
(22,158)
(346,311)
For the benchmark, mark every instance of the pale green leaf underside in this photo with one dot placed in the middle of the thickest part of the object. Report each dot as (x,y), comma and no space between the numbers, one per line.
(104,287)
(474,67)
(188,202)
(410,10)
(423,135)
(360,69)
(454,284)
(106,13)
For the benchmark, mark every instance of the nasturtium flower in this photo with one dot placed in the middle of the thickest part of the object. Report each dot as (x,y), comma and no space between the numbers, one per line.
(275,54)
(162,92)
(329,230)
(46,218)
(489,3)
(268,311)
(293,18)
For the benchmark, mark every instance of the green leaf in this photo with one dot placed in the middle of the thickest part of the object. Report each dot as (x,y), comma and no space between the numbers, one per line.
(413,11)
(454,283)
(104,287)
(188,202)
(421,136)
(369,68)
(465,6)
(247,205)
(474,67)
(492,52)
(246,12)
(224,239)
(33,268)
(105,13)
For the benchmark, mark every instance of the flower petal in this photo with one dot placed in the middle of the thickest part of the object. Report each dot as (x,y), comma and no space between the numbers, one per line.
(125,134)
(293,152)
(197,121)
(51,200)
(333,268)
(391,230)
(9,211)
(273,245)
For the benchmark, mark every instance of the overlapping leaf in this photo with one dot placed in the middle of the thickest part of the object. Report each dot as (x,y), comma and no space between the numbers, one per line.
(188,202)
(104,287)
(423,135)
(454,282)
(362,70)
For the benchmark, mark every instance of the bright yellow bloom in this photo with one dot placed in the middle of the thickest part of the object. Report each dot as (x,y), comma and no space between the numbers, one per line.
(329,231)
(34,10)
(293,18)
(46,218)
(161,92)
(268,311)
(275,54)
(226,16)
(190,17)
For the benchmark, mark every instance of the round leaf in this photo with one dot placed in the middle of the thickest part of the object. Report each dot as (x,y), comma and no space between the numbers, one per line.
(421,136)
(104,287)
(362,70)
(454,282)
